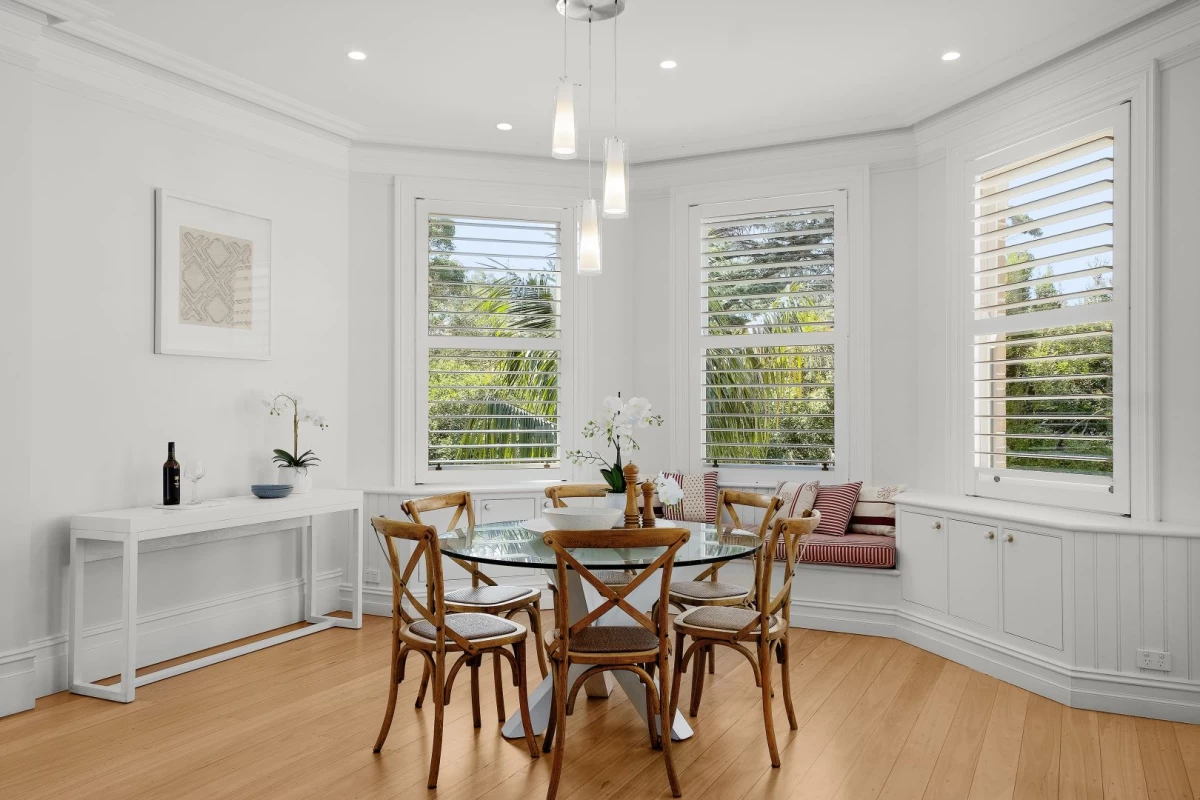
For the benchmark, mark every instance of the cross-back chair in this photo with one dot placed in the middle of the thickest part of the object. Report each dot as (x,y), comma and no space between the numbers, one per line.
(485,595)
(432,634)
(706,589)
(764,627)
(642,648)
(560,492)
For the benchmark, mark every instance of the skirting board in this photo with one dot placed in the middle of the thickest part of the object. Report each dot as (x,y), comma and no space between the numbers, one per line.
(1117,693)
(17,682)
(178,631)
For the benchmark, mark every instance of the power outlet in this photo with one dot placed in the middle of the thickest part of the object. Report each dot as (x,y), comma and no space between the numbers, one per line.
(371,576)
(1152,659)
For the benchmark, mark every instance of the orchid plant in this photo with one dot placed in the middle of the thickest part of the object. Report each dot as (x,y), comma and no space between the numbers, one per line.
(617,427)
(277,406)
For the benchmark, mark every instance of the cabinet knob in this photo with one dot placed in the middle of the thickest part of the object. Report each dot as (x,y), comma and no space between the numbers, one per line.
(991,535)
(487,506)
(547,504)
(937,526)
(1008,537)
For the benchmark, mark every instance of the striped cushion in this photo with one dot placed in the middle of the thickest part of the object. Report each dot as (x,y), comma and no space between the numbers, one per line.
(849,550)
(875,511)
(797,497)
(836,504)
(699,502)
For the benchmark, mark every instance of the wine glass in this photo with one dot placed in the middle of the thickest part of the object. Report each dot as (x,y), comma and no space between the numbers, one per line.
(194,470)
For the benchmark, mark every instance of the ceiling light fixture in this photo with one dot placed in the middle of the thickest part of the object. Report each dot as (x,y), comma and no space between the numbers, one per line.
(588,212)
(563,141)
(951,56)
(668,64)
(503,126)
(356,55)
(616,158)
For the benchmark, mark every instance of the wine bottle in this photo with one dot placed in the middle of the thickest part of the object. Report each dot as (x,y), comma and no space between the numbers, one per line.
(171,478)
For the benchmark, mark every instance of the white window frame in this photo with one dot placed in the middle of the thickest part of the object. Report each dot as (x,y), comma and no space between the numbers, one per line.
(848,188)
(413,200)
(1067,490)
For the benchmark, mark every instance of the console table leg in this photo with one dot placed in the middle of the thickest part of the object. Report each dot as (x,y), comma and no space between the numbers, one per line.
(356,564)
(129,617)
(310,569)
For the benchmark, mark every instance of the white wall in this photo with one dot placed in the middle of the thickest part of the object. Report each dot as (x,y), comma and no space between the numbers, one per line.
(104,405)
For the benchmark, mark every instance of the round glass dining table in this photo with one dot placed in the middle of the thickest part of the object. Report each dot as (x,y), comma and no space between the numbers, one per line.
(520,544)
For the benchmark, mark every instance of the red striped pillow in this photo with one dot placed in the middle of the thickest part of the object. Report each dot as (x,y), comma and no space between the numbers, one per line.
(699,502)
(836,504)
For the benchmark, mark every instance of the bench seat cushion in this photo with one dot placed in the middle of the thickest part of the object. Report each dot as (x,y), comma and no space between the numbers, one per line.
(849,550)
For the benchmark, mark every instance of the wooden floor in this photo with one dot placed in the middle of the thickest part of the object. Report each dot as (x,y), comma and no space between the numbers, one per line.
(878,719)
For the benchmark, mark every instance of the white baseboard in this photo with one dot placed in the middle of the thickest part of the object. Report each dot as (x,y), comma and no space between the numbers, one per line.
(1118,693)
(17,681)
(186,629)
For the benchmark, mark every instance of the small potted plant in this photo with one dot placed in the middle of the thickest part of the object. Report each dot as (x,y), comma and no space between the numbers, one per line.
(294,466)
(620,421)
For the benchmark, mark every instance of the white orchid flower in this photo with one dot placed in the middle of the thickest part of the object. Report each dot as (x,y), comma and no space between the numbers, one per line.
(669,490)
(613,405)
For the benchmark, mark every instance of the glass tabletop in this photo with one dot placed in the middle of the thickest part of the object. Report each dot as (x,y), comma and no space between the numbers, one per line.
(521,543)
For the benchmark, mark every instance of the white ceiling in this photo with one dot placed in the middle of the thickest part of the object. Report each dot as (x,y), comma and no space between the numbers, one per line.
(442,73)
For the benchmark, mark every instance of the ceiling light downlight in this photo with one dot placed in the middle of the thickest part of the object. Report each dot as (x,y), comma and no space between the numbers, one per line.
(951,56)
(503,126)
(356,55)
(668,64)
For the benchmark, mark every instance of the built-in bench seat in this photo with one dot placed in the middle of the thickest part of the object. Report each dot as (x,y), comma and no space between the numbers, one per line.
(850,550)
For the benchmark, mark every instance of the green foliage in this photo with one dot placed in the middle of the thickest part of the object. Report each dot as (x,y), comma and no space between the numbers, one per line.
(286,459)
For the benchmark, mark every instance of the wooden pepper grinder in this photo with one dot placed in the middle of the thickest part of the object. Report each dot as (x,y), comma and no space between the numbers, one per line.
(648,504)
(631,509)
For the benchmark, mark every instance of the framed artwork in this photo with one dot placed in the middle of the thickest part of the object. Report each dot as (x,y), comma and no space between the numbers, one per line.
(212,268)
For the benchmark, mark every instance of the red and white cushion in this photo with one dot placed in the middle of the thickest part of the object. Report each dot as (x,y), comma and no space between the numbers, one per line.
(699,502)
(849,550)
(836,504)
(875,511)
(797,497)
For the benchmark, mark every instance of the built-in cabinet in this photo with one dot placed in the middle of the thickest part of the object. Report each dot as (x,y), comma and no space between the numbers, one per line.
(998,577)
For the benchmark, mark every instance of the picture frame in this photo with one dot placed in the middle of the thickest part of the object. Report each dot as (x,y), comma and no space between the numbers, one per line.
(213,279)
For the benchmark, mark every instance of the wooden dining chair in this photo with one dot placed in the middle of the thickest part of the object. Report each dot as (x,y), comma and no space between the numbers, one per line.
(642,648)
(706,589)
(765,627)
(485,595)
(433,634)
(560,492)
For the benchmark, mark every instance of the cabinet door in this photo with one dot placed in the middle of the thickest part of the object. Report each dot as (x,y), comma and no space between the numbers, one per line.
(921,547)
(1033,602)
(974,575)
(507,509)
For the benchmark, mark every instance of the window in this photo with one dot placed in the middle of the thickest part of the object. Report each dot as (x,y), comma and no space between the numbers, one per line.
(1049,318)
(770,332)
(491,365)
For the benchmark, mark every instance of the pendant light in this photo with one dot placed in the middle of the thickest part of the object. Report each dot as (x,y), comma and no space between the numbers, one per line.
(616,158)
(588,212)
(563,143)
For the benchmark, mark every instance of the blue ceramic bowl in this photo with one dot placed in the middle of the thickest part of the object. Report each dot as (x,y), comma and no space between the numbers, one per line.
(269,491)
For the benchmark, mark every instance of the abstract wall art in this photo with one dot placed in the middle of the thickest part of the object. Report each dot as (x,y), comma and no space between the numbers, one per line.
(212,280)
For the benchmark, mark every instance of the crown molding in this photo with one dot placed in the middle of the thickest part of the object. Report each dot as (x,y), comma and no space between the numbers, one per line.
(59,11)
(19,31)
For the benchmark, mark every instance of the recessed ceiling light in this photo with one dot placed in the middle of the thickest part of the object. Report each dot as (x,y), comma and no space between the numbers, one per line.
(356,55)
(951,56)
(504,126)
(668,64)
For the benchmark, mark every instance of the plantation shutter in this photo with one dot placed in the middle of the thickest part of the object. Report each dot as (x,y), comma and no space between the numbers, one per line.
(768,337)
(1049,318)
(492,348)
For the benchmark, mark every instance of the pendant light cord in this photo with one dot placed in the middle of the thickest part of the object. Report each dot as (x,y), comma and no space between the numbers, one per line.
(564,38)
(589,91)
(615,77)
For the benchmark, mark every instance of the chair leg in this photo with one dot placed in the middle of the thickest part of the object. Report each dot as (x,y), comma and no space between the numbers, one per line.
(522,698)
(424,683)
(712,661)
(677,675)
(698,681)
(560,738)
(786,666)
(535,626)
(668,718)
(552,721)
(392,692)
(499,687)
(439,716)
(474,664)
(764,664)
(651,712)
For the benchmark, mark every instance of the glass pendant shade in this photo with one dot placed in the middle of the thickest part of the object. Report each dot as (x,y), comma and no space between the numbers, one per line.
(616,178)
(588,245)
(563,145)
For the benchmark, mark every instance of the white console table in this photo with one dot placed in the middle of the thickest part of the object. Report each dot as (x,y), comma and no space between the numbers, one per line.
(133,526)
